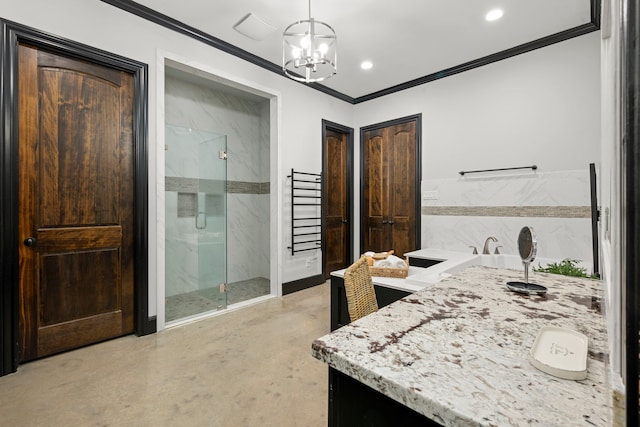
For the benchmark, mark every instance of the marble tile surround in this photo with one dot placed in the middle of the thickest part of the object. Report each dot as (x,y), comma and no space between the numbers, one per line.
(187,205)
(533,188)
(471,208)
(188,189)
(245,123)
(181,257)
(244,187)
(511,211)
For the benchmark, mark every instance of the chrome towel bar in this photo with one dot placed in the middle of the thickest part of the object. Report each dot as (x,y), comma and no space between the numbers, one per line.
(533,167)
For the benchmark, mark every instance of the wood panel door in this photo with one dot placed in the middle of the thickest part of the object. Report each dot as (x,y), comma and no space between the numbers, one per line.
(75,205)
(337,198)
(390,174)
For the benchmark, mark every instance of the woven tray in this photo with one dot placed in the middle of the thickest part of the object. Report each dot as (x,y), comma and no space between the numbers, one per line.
(390,272)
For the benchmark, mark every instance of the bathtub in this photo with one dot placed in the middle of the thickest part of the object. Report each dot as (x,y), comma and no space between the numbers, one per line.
(446,263)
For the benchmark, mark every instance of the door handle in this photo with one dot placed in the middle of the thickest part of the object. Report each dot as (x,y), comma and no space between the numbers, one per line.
(384,221)
(390,222)
(344,221)
(201,225)
(29,241)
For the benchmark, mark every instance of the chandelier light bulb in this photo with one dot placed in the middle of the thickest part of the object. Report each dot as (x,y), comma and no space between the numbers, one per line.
(304,42)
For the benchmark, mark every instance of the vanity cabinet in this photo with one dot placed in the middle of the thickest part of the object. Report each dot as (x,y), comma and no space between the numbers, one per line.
(339,309)
(354,404)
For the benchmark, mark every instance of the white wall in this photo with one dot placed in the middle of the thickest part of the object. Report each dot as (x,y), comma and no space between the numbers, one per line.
(610,188)
(300,109)
(538,108)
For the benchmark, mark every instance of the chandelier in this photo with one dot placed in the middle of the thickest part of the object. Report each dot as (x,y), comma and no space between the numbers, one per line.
(309,50)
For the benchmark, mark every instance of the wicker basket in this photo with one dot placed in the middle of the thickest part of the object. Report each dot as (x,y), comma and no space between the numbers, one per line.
(390,272)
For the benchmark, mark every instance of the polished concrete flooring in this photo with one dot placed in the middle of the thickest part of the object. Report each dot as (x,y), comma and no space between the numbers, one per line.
(250,367)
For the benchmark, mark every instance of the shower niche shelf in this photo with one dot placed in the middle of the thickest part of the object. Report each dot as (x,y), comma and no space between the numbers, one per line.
(306,211)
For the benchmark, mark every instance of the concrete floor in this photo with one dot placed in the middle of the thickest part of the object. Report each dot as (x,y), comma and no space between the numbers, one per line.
(250,367)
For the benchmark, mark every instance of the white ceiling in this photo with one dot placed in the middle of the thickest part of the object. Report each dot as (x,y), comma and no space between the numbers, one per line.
(405,39)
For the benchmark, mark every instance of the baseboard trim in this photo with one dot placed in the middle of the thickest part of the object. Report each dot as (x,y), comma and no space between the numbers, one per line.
(149,326)
(300,284)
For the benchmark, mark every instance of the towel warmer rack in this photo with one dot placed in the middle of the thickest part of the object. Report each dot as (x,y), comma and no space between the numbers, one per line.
(306,211)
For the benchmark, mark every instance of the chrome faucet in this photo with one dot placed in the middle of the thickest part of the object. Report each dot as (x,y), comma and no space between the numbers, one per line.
(485,250)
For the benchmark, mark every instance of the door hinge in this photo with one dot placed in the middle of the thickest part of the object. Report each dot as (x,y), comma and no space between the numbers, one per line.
(222,155)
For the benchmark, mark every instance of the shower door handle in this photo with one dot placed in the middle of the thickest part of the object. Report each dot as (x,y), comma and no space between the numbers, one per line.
(202,215)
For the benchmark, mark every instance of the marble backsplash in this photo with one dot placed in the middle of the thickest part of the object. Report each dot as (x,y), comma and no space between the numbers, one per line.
(462,212)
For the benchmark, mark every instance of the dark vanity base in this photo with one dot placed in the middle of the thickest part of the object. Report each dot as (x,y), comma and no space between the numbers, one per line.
(353,404)
(339,310)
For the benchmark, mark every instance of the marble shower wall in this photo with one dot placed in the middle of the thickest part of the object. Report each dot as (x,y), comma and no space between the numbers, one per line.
(464,211)
(245,122)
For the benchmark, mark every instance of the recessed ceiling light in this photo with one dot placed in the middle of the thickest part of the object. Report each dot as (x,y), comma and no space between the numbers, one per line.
(366,65)
(494,15)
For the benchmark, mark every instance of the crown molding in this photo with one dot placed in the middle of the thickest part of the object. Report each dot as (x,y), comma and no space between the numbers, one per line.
(182,28)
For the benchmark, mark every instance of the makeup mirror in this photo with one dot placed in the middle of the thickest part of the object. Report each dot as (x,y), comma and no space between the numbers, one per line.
(527,246)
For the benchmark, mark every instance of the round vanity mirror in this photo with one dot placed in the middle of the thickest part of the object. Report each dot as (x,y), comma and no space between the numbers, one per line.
(527,246)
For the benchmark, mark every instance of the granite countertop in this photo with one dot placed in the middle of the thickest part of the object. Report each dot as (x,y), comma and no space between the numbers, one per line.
(457,351)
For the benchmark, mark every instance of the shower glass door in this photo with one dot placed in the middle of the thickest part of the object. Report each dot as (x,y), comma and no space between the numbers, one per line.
(196,223)
(211,219)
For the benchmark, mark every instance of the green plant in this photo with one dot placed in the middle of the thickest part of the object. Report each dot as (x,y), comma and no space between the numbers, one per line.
(566,267)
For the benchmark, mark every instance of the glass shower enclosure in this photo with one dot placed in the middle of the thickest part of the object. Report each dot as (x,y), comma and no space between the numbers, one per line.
(195,222)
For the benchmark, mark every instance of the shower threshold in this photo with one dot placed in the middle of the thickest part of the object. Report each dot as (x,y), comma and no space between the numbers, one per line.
(194,304)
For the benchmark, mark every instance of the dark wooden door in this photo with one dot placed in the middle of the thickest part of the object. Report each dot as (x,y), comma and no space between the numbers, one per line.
(336,201)
(75,202)
(390,184)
